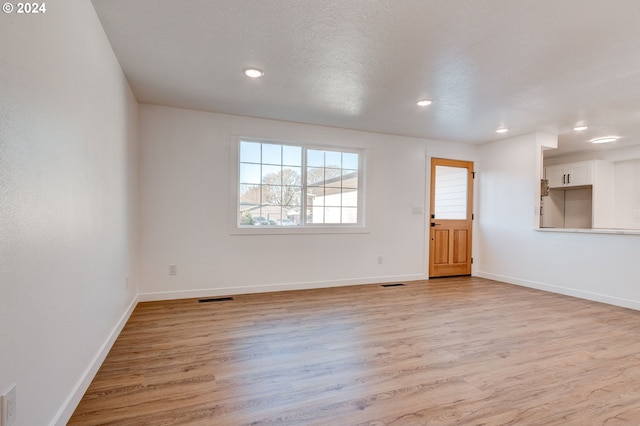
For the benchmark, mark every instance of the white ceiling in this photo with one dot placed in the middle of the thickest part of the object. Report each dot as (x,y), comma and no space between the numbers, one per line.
(529,65)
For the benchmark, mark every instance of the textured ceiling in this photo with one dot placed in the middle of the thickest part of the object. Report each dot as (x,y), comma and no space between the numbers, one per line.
(529,65)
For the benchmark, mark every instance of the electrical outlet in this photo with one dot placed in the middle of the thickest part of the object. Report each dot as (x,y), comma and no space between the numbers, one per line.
(8,406)
(173,269)
(126,282)
(380,260)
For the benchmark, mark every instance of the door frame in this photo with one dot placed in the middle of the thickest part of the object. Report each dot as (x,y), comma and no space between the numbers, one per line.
(470,165)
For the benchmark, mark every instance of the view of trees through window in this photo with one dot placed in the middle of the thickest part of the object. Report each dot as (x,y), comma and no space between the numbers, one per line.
(289,185)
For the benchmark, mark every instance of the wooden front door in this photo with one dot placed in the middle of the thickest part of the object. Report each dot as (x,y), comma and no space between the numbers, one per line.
(451,217)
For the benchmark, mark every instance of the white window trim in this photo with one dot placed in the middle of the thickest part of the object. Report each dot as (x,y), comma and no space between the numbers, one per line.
(234,178)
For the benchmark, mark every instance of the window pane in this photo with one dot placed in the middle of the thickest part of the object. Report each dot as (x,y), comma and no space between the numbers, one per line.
(315,158)
(292,176)
(249,195)
(291,216)
(349,215)
(350,198)
(291,155)
(333,178)
(349,160)
(350,179)
(295,218)
(332,174)
(272,215)
(272,175)
(250,173)
(291,196)
(333,197)
(333,159)
(271,154)
(271,194)
(315,176)
(315,196)
(450,196)
(249,152)
(332,215)
(317,215)
(247,217)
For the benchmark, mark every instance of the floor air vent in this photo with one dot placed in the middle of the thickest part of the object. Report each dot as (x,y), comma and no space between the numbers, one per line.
(215,299)
(393,285)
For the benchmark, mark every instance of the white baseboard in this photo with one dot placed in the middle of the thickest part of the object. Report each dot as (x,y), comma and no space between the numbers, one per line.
(267,288)
(596,297)
(72,401)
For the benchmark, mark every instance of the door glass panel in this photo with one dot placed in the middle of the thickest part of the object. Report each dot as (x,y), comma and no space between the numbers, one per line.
(450,201)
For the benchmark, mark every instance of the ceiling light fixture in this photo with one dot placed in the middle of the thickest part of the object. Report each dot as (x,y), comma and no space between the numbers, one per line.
(580,128)
(605,139)
(424,102)
(502,130)
(253,72)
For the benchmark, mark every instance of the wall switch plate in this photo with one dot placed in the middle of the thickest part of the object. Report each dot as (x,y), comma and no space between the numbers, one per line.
(173,269)
(8,406)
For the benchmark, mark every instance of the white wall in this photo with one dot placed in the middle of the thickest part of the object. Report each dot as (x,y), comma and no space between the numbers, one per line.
(67,205)
(594,266)
(186,187)
(627,194)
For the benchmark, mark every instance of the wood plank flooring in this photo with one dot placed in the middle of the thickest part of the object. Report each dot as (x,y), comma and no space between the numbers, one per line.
(441,352)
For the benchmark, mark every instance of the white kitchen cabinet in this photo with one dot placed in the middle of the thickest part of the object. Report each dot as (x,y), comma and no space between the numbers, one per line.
(570,174)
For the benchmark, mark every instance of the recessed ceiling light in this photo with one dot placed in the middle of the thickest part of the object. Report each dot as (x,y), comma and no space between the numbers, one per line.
(605,139)
(580,128)
(502,130)
(253,72)
(425,102)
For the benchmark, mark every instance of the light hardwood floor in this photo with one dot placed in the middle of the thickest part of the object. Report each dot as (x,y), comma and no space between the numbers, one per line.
(443,352)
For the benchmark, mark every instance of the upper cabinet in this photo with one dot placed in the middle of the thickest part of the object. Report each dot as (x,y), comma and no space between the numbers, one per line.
(570,174)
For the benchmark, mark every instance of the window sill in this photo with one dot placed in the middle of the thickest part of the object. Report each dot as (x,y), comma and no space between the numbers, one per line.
(592,231)
(300,230)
